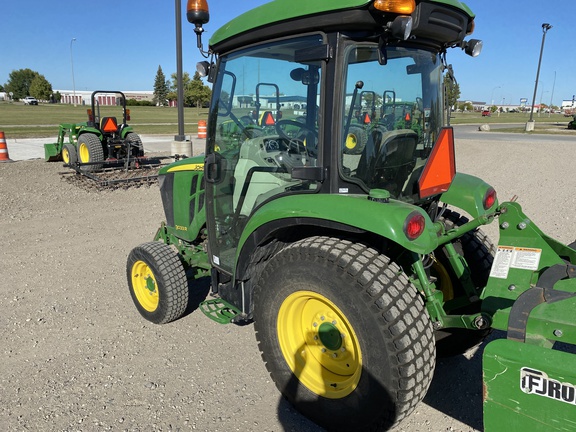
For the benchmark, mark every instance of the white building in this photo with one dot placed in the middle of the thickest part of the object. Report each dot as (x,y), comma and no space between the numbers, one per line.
(82,97)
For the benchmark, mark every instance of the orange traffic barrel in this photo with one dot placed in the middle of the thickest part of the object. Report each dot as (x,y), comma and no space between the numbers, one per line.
(201,128)
(4,149)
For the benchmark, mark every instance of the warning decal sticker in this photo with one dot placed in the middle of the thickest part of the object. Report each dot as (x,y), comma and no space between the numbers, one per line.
(526,258)
(514,257)
(502,261)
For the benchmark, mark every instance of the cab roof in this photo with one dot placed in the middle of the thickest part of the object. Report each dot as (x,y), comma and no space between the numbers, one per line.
(321,13)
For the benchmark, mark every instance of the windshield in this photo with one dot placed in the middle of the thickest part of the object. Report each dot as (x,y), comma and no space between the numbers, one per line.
(264,116)
(392,115)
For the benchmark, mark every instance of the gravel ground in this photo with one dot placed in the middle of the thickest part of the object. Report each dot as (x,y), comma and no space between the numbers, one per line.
(77,356)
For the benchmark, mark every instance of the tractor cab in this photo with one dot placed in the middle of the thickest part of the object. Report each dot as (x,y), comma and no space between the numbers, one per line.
(351,112)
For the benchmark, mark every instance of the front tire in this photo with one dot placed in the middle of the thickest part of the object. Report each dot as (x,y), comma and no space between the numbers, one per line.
(344,334)
(69,155)
(157,282)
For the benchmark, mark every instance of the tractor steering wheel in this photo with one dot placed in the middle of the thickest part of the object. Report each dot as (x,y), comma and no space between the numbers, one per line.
(298,136)
(301,126)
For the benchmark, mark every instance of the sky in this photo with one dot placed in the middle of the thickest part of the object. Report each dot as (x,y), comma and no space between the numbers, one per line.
(119,45)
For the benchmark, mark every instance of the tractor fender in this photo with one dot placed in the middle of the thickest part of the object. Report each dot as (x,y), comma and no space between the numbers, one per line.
(346,213)
(125,131)
(467,192)
(92,130)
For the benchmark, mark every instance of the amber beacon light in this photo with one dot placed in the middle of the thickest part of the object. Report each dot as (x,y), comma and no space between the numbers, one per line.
(197,12)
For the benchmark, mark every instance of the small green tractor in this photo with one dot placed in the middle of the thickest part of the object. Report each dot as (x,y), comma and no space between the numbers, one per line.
(101,139)
(335,221)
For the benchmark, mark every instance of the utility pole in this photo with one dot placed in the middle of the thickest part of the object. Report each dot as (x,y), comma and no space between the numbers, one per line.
(530,124)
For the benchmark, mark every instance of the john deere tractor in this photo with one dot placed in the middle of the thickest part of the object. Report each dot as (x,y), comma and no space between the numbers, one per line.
(106,137)
(335,222)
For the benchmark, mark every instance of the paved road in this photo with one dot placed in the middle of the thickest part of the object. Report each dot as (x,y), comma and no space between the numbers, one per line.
(471,132)
(33,148)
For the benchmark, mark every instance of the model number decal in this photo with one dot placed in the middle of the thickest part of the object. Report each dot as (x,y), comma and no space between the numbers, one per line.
(536,382)
(181,228)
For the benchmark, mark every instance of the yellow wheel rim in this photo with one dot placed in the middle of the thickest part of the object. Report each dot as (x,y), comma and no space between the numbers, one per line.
(145,286)
(444,281)
(65,156)
(319,344)
(351,141)
(83,153)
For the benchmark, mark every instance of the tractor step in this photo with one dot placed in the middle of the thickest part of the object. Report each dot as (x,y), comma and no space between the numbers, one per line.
(219,310)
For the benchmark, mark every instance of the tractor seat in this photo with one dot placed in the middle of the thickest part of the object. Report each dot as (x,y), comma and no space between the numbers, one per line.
(109,125)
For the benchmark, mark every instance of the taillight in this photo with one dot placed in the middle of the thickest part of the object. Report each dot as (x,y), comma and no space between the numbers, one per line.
(414,225)
(489,198)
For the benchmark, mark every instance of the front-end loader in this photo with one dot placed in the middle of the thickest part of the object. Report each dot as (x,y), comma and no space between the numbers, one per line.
(351,242)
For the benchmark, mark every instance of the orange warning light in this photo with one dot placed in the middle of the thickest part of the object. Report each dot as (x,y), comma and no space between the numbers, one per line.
(441,166)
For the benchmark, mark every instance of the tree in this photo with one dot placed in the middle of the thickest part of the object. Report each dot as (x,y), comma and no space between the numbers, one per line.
(160,88)
(196,92)
(465,106)
(40,88)
(452,91)
(185,81)
(19,82)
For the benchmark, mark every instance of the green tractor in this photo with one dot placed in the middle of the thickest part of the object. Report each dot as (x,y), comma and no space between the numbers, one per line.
(103,138)
(357,266)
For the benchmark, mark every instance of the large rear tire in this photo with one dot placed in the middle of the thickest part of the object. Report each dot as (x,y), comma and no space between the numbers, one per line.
(136,146)
(157,282)
(90,150)
(344,334)
(478,251)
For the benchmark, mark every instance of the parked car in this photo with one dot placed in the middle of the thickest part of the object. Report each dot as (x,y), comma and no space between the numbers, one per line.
(486,113)
(29,100)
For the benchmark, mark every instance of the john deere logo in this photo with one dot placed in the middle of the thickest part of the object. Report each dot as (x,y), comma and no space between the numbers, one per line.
(536,382)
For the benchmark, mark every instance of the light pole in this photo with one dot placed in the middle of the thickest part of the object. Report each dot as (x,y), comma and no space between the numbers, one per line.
(179,73)
(72,64)
(492,98)
(530,124)
(552,95)
(540,106)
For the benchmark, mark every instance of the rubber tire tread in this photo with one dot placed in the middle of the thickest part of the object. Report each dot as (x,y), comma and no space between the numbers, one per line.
(95,151)
(135,138)
(478,250)
(361,139)
(171,280)
(72,154)
(372,290)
